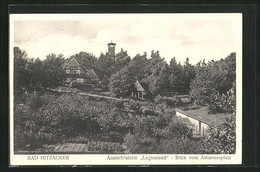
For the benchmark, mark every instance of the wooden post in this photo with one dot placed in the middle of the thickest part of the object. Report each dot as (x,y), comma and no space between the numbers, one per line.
(200,128)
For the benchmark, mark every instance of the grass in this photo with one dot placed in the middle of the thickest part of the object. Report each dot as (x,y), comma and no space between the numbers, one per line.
(202,114)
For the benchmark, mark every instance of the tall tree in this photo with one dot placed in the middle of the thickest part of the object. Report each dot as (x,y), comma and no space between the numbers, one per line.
(137,66)
(176,81)
(121,82)
(159,80)
(36,73)
(53,71)
(122,59)
(21,74)
(87,60)
(106,67)
(188,75)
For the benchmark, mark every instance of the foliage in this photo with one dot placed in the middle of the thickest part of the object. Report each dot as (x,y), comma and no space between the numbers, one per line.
(214,78)
(104,147)
(153,72)
(169,101)
(50,118)
(121,82)
(225,102)
(180,76)
(134,105)
(223,139)
(21,78)
(121,59)
(163,134)
(87,60)
(30,74)
(158,80)
(108,66)
(53,73)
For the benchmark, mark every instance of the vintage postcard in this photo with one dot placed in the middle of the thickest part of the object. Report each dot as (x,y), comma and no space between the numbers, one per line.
(126,89)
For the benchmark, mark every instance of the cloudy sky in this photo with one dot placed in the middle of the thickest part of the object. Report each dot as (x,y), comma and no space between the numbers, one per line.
(197,36)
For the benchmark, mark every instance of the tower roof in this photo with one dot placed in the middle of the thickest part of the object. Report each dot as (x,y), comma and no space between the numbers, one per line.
(111,43)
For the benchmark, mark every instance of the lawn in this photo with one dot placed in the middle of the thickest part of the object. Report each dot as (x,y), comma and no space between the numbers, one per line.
(202,114)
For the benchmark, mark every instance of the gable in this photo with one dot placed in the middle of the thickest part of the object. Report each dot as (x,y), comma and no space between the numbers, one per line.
(73,64)
(139,87)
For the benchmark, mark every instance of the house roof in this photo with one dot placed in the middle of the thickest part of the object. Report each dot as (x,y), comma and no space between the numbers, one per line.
(90,73)
(138,86)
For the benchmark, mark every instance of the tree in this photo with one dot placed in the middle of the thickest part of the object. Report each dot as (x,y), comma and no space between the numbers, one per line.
(21,74)
(87,60)
(159,83)
(106,66)
(121,60)
(188,75)
(121,82)
(36,73)
(46,73)
(53,71)
(137,66)
(213,79)
(176,81)
(223,139)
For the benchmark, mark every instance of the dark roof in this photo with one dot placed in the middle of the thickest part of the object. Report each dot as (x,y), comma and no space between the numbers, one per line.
(111,43)
(91,73)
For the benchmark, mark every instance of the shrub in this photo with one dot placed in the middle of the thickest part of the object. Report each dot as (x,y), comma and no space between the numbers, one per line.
(119,104)
(165,133)
(158,99)
(134,105)
(223,139)
(153,145)
(58,117)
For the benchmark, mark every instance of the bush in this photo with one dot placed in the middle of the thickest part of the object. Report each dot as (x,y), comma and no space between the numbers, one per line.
(223,139)
(153,145)
(104,147)
(168,101)
(134,105)
(54,118)
(165,133)
(119,104)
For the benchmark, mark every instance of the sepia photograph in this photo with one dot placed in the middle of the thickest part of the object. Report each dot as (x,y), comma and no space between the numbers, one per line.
(99,89)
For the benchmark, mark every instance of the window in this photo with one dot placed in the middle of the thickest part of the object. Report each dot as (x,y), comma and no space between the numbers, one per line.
(68,80)
(81,80)
(76,71)
(67,71)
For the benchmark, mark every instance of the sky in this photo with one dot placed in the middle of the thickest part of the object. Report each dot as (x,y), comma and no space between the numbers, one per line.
(197,36)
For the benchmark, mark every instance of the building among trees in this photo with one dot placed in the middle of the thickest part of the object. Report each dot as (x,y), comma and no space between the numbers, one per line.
(138,91)
(76,73)
(111,50)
